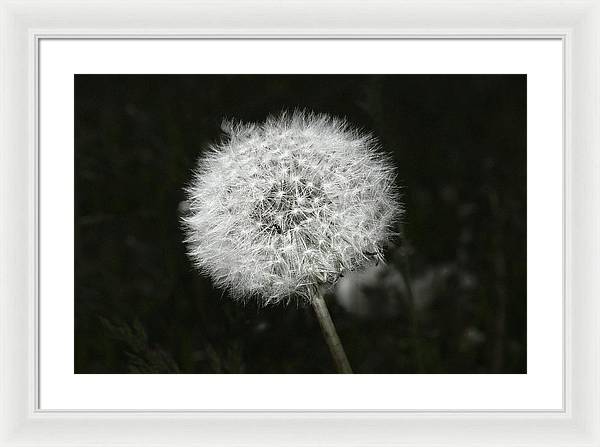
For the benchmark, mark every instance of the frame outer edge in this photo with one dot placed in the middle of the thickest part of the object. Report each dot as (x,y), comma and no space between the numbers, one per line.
(585,236)
(16,228)
(17,254)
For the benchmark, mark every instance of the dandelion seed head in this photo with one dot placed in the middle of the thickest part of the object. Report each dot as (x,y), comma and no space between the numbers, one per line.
(281,208)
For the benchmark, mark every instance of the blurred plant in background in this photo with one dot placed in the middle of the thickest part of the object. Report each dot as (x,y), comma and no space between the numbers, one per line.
(381,291)
(141,357)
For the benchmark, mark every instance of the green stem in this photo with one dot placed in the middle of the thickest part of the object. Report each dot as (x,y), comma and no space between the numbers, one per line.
(330,334)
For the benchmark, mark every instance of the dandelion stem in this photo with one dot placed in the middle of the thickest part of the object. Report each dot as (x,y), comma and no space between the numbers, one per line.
(330,334)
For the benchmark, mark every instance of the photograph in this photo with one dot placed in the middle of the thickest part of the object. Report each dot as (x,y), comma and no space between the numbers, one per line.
(300,224)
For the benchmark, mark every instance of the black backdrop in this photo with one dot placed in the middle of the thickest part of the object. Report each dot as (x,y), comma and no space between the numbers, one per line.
(459,143)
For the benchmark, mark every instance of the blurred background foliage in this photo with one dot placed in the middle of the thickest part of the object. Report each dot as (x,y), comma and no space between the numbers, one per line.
(451,299)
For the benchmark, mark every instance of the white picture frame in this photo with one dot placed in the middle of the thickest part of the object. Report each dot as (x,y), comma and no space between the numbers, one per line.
(23,23)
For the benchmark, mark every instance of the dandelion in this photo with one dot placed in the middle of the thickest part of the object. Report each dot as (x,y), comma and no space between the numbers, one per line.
(280,210)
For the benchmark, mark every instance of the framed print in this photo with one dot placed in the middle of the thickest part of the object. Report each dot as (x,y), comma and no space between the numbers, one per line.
(338,228)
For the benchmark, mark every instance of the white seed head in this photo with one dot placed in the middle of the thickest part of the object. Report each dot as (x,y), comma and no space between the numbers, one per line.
(286,206)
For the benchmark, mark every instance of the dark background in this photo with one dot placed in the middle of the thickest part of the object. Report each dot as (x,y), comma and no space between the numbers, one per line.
(459,143)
